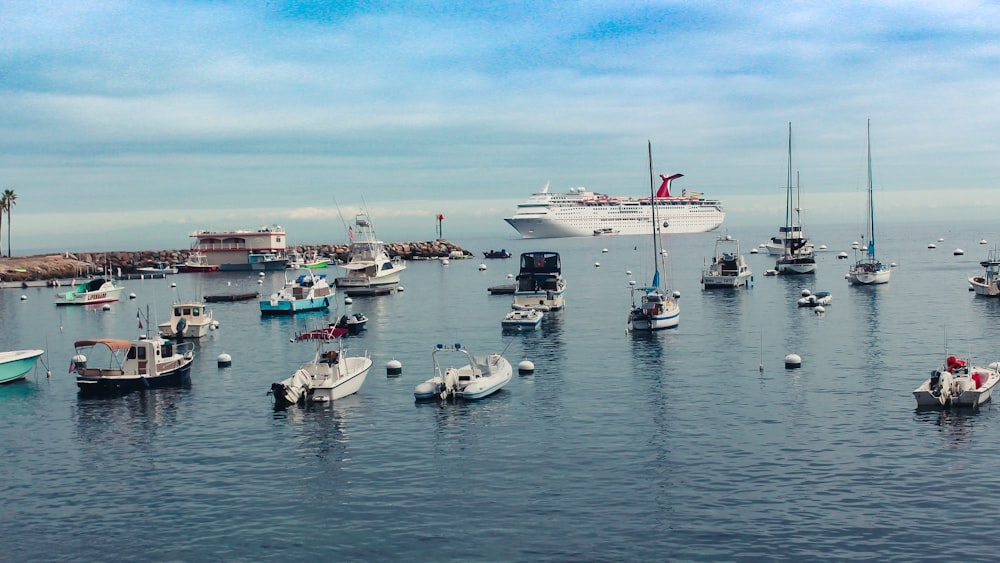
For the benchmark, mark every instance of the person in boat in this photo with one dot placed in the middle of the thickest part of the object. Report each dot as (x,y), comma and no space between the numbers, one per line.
(330,357)
(954,364)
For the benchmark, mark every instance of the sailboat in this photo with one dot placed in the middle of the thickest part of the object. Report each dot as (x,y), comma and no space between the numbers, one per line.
(796,255)
(655,309)
(869,270)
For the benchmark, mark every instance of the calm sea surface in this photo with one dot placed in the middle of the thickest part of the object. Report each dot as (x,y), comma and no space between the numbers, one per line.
(618,447)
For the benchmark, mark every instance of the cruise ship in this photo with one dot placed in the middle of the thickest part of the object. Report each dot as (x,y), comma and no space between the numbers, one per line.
(584,213)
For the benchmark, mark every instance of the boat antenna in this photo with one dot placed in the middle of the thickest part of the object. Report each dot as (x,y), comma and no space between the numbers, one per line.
(871,206)
(656,226)
(342,220)
(788,193)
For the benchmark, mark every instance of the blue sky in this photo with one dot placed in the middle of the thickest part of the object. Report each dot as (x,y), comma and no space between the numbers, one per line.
(130,124)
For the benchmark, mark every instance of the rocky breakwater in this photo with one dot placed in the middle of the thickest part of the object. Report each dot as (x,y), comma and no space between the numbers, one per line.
(68,265)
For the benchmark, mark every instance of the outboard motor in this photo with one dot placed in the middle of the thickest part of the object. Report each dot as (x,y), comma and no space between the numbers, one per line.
(181,325)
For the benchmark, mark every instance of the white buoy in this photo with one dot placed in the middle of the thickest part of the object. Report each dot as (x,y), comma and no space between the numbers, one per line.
(604,250)
(173,284)
(24,297)
(79,361)
(525,367)
(214,325)
(941,239)
(106,307)
(892,264)
(676,294)
(628,272)
(260,274)
(400,288)
(855,245)
(932,245)
(393,368)
(631,282)
(806,293)
(822,247)
(510,276)
(753,251)
(260,282)
(348,300)
(597,264)
(482,266)
(819,309)
(131,295)
(225,360)
(982,241)
(793,361)
(842,256)
(958,252)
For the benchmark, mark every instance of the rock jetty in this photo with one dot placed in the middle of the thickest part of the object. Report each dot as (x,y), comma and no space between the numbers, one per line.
(69,265)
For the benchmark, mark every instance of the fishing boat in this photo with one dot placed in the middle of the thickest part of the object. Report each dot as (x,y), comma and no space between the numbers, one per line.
(728,268)
(329,376)
(958,384)
(308,292)
(540,284)
(309,260)
(370,269)
(353,323)
(988,284)
(197,262)
(16,363)
(131,364)
(869,270)
(188,319)
(91,292)
(652,308)
(477,377)
(796,255)
(525,319)
(502,253)
(581,212)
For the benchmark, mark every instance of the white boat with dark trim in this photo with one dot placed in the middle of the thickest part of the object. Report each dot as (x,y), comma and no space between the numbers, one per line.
(540,284)
(130,365)
(523,319)
(159,268)
(477,377)
(581,212)
(329,376)
(188,319)
(988,284)
(370,270)
(958,384)
(869,270)
(307,292)
(797,255)
(728,268)
(16,363)
(197,262)
(353,323)
(91,292)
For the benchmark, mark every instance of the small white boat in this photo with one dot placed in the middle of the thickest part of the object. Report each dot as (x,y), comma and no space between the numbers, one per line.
(957,384)
(815,299)
(158,268)
(480,376)
(189,319)
(728,268)
(331,375)
(525,319)
(308,292)
(16,363)
(131,364)
(353,323)
(97,290)
(605,232)
(988,284)
(197,262)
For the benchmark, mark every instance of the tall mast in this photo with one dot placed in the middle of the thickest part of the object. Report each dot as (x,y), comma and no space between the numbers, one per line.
(788,195)
(871,204)
(652,201)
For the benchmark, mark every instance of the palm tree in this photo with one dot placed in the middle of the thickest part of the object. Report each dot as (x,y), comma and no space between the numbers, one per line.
(7,201)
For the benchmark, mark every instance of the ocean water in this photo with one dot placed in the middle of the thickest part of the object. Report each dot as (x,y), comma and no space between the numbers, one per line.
(670,446)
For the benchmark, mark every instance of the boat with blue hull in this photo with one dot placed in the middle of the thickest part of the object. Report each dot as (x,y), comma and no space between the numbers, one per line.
(131,365)
(16,363)
(308,292)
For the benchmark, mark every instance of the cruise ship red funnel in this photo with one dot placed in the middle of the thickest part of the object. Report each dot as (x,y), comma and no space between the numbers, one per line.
(664,190)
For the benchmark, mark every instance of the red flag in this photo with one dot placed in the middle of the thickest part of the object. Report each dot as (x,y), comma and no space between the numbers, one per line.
(138,318)
(350,233)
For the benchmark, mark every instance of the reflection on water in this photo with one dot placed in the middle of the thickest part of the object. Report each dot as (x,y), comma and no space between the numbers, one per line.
(955,426)
(133,418)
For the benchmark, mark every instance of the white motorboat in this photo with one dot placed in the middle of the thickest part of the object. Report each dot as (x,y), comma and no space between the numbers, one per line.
(958,384)
(655,309)
(353,323)
(92,292)
(988,284)
(478,377)
(370,269)
(540,284)
(817,299)
(131,364)
(329,376)
(161,268)
(728,268)
(15,363)
(869,270)
(524,319)
(188,319)
(307,292)
(196,262)
(796,256)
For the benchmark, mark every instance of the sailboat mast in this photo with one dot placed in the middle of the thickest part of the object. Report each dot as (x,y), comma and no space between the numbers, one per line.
(788,194)
(871,204)
(652,201)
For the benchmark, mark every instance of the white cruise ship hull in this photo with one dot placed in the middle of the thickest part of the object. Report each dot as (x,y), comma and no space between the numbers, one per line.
(627,220)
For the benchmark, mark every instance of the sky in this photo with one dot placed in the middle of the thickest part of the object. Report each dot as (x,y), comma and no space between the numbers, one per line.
(129,125)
